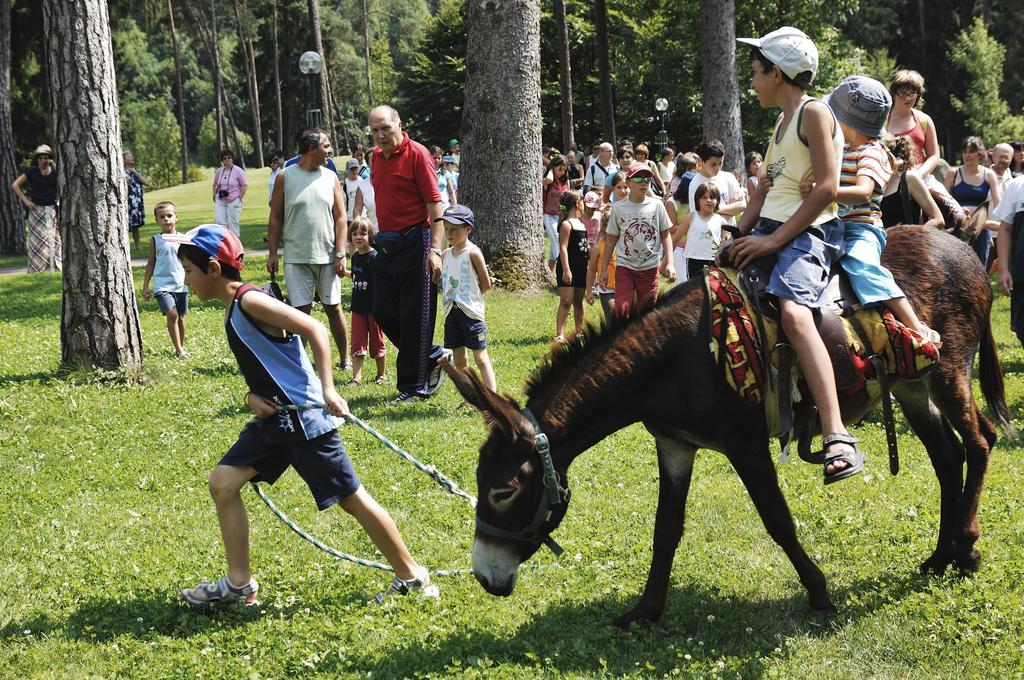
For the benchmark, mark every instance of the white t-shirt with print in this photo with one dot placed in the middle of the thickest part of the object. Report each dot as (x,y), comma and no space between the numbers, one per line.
(727,186)
(639,227)
(350,188)
(703,237)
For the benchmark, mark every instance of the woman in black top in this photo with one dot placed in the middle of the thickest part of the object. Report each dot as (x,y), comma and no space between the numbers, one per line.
(44,248)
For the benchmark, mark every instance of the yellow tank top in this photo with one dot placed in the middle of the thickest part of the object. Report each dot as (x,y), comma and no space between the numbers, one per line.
(788,162)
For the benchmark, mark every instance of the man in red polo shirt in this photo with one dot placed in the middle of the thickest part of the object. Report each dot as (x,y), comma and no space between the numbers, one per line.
(408,243)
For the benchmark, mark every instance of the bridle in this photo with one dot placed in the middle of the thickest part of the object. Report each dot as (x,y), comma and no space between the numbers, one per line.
(539,530)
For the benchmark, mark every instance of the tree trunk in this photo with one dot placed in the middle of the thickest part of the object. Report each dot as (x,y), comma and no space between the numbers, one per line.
(366,52)
(12,222)
(721,90)
(181,94)
(250,81)
(605,70)
(277,82)
(218,83)
(325,83)
(501,136)
(564,75)
(99,323)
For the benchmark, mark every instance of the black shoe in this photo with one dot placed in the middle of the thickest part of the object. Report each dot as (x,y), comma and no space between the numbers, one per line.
(406,398)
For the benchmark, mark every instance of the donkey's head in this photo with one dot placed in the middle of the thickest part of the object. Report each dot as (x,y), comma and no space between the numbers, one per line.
(522,497)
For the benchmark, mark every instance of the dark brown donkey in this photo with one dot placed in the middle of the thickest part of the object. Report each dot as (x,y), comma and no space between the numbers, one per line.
(656,369)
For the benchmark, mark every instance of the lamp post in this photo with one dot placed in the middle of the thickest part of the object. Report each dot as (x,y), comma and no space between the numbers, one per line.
(661,105)
(310,64)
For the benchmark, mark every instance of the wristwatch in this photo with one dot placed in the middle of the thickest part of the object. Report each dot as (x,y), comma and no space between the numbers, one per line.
(340,255)
(435,251)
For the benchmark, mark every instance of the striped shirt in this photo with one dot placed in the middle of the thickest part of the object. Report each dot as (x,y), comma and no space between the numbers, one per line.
(868,160)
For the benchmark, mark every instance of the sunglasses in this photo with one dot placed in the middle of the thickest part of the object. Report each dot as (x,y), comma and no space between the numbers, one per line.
(641,180)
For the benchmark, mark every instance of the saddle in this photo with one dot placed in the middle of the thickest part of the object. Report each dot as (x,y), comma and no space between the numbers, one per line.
(864,345)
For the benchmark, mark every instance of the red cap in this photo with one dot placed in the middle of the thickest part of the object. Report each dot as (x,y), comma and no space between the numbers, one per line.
(639,170)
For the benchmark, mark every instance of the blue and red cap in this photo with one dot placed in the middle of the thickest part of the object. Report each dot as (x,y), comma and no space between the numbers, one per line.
(220,243)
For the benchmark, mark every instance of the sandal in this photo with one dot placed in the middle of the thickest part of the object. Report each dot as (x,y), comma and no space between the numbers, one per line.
(222,593)
(380,380)
(849,453)
(420,585)
(352,383)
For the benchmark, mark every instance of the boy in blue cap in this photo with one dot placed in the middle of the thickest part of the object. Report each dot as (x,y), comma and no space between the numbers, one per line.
(264,335)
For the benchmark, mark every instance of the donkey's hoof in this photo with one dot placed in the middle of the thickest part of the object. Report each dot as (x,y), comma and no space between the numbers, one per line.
(970,562)
(641,613)
(936,564)
(822,604)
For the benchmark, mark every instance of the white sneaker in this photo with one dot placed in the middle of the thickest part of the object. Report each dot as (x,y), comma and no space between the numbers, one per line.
(437,374)
(420,585)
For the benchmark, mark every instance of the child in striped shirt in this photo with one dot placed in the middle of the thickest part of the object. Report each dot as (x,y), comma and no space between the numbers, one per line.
(861,105)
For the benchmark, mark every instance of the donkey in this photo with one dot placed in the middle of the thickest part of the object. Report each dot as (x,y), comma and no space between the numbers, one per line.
(656,369)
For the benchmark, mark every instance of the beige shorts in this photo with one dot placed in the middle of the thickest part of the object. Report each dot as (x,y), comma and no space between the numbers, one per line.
(307,282)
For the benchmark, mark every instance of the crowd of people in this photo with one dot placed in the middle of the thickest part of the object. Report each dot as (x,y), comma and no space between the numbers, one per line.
(618,219)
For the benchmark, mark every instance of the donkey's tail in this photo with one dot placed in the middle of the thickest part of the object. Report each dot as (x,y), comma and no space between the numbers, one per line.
(992,380)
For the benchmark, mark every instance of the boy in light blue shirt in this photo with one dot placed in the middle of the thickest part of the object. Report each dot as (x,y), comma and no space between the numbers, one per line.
(167,276)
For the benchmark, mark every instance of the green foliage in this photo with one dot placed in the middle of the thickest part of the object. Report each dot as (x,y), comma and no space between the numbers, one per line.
(207,152)
(981,57)
(150,132)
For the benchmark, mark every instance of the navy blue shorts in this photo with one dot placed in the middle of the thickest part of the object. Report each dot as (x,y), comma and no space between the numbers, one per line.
(321,462)
(462,331)
(175,301)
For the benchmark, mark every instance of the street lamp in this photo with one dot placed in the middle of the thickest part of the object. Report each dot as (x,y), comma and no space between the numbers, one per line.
(661,105)
(310,64)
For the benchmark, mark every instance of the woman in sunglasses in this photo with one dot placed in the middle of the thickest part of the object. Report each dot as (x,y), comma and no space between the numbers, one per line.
(44,249)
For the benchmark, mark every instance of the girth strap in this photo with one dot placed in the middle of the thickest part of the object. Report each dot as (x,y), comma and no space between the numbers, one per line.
(878,363)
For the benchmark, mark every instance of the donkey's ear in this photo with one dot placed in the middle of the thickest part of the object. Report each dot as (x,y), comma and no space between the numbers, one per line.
(978,219)
(497,411)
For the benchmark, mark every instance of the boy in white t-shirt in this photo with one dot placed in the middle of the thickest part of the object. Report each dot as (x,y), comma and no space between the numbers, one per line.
(1010,247)
(464,280)
(734,199)
(639,231)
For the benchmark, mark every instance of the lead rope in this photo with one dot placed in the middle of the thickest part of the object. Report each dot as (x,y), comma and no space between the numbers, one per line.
(443,481)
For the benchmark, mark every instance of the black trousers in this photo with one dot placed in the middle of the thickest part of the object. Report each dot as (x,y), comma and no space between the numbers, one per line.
(405,303)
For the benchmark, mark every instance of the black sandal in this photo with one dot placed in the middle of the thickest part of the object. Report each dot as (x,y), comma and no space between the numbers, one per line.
(849,454)
(352,383)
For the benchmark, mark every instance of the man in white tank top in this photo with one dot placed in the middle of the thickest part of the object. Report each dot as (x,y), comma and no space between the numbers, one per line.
(804,233)
(307,215)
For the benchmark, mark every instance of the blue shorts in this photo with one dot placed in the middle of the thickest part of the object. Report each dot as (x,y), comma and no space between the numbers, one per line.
(175,301)
(321,462)
(462,331)
(862,252)
(801,272)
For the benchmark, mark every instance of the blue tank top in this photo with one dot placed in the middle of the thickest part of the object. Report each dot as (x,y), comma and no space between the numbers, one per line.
(279,370)
(969,195)
(168,274)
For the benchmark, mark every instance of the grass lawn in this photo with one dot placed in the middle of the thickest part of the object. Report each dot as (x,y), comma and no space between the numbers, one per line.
(105,516)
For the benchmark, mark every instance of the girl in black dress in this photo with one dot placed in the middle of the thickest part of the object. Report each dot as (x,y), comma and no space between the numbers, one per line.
(571,267)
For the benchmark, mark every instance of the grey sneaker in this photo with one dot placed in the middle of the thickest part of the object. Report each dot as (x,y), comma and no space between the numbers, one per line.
(420,585)
(437,374)
(406,398)
(221,592)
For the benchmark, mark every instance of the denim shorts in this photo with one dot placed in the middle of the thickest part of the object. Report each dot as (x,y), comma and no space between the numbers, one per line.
(462,331)
(321,462)
(176,301)
(801,270)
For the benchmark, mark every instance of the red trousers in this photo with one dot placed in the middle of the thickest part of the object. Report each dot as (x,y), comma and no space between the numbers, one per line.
(629,283)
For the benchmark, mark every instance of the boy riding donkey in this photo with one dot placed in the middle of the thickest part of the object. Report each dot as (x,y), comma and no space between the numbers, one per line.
(804,233)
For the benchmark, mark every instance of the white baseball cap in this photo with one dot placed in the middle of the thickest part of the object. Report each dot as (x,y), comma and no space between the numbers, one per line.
(788,48)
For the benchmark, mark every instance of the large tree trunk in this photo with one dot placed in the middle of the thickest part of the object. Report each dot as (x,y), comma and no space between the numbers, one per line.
(366,52)
(250,81)
(181,94)
(277,82)
(720,84)
(12,223)
(325,82)
(605,70)
(564,75)
(501,137)
(99,323)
